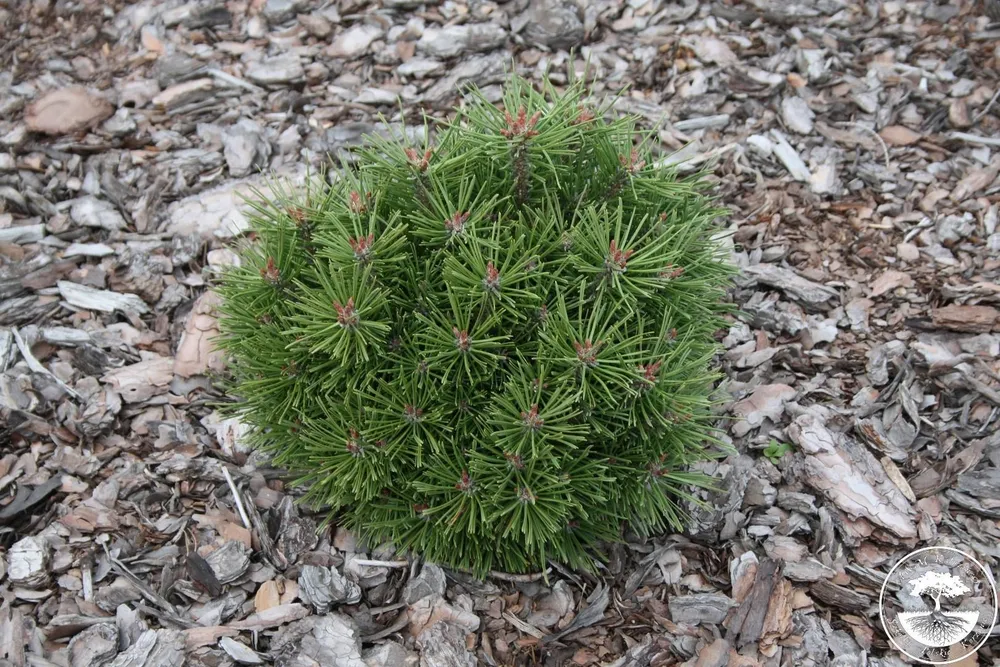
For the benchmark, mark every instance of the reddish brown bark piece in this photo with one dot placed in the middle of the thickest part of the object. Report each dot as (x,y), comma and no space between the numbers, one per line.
(973,319)
(746,624)
(839,596)
(67,111)
(197,353)
(848,475)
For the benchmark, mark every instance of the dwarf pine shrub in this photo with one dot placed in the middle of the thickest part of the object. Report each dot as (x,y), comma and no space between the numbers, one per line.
(493,349)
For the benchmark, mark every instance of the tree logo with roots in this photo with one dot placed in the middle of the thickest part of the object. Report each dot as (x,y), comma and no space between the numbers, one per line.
(938,605)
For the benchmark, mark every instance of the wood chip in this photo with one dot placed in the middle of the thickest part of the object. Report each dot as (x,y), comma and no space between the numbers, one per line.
(971,319)
(267,596)
(849,476)
(106,301)
(67,110)
(140,382)
(273,617)
(805,291)
(898,135)
(241,653)
(197,353)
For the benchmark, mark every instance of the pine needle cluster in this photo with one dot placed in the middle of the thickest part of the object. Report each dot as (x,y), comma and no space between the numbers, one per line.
(493,349)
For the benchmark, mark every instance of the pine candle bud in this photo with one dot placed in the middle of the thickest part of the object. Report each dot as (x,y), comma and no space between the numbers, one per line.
(455,225)
(362,247)
(489,349)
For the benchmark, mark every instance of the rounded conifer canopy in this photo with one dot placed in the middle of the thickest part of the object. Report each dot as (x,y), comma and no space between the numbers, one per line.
(493,349)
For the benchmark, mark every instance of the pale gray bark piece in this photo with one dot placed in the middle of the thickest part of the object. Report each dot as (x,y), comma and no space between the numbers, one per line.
(277,70)
(430,581)
(131,627)
(597,604)
(354,41)
(245,147)
(273,617)
(807,292)
(277,11)
(27,561)
(390,654)
(93,212)
(553,607)
(22,234)
(808,570)
(790,158)
(12,636)
(184,93)
(6,349)
(105,301)
(983,484)
(239,652)
(479,70)
(797,115)
(699,608)
(69,625)
(552,23)
(168,651)
(324,587)
(94,647)
(137,654)
(419,67)
(64,336)
(332,639)
(219,212)
(454,40)
(873,431)
(443,645)
(839,596)
(702,122)
(37,366)
(230,561)
(88,250)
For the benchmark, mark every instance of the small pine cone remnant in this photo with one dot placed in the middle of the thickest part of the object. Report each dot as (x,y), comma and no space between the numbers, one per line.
(657,467)
(491,283)
(419,162)
(462,341)
(514,460)
(465,483)
(362,247)
(412,414)
(586,352)
(357,203)
(632,163)
(270,272)
(584,115)
(531,420)
(455,225)
(347,315)
(649,373)
(992,10)
(671,272)
(496,354)
(617,259)
(354,446)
